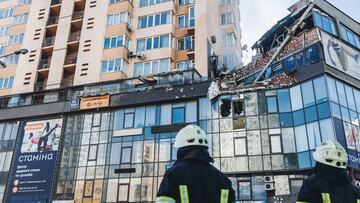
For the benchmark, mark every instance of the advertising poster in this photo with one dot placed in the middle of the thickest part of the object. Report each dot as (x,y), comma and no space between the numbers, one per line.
(341,56)
(36,154)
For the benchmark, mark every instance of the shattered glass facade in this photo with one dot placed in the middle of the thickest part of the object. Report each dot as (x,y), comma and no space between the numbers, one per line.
(266,134)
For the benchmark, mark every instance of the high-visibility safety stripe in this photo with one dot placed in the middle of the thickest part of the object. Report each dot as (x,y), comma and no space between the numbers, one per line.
(358,201)
(224,196)
(184,196)
(165,199)
(326,197)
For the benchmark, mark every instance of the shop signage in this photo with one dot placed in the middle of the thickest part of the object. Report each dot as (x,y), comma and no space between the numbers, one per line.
(32,174)
(341,56)
(95,102)
(74,103)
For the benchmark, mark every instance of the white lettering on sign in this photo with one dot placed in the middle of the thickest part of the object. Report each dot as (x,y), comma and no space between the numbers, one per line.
(38,157)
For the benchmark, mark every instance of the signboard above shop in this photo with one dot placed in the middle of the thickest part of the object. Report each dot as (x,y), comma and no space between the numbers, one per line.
(95,102)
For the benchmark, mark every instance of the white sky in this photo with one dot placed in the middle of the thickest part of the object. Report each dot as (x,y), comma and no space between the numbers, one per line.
(258,16)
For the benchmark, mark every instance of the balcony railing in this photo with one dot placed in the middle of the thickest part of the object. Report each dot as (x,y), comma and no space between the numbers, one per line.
(52,20)
(70,59)
(54,2)
(77,15)
(44,63)
(49,41)
(75,36)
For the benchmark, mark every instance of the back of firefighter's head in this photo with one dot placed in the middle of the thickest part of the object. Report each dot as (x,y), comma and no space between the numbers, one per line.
(191,135)
(331,153)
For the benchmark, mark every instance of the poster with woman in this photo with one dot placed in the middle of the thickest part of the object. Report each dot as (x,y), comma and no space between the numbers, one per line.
(33,170)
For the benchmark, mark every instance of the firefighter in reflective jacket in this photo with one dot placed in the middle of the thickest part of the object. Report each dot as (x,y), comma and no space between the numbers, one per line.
(192,178)
(330,181)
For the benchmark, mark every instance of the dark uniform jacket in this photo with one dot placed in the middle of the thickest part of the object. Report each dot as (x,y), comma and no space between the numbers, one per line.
(194,177)
(328,184)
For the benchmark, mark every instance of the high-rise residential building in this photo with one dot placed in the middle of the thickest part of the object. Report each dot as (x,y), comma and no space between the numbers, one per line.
(78,42)
(103,84)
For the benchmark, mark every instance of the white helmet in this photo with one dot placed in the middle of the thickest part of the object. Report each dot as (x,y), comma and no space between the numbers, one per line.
(331,153)
(191,135)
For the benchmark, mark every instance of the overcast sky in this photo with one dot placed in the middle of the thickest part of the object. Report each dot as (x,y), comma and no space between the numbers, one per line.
(258,16)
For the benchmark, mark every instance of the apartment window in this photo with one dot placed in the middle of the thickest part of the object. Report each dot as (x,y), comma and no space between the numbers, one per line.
(144,3)
(4,31)
(186,43)
(182,21)
(6,82)
(11,60)
(153,43)
(23,2)
(227,18)
(6,13)
(116,41)
(325,22)
(226,2)
(229,39)
(184,65)
(349,36)
(118,18)
(115,1)
(152,67)
(16,39)
(186,2)
(154,20)
(230,61)
(113,65)
(2,49)
(191,19)
(21,19)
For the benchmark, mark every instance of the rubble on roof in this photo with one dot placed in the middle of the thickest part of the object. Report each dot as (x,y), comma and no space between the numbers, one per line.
(297,43)
(279,81)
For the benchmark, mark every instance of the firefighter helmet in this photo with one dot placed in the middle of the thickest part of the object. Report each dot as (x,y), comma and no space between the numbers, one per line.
(331,153)
(191,135)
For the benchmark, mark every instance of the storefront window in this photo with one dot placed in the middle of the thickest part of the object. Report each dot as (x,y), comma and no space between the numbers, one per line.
(288,140)
(313,135)
(308,93)
(284,100)
(301,138)
(350,97)
(296,98)
(310,114)
(272,104)
(320,90)
(245,190)
(286,120)
(254,143)
(341,92)
(258,188)
(251,104)
(327,130)
(299,118)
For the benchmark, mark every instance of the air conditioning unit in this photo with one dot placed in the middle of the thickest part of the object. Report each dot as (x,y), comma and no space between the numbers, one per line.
(141,56)
(269,179)
(131,54)
(269,186)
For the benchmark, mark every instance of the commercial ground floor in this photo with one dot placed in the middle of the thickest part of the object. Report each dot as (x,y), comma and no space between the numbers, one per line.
(263,140)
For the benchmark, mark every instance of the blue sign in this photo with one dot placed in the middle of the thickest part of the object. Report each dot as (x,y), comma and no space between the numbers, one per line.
(74,104)
(32,174)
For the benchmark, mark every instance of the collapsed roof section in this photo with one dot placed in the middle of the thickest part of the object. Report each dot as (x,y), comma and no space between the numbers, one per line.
(293,34)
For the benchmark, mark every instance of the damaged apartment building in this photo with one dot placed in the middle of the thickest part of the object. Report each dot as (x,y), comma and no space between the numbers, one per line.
(301,88)
(115,91)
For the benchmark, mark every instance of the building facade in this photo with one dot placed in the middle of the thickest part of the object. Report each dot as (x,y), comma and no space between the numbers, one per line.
(80,42)
(109,136)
